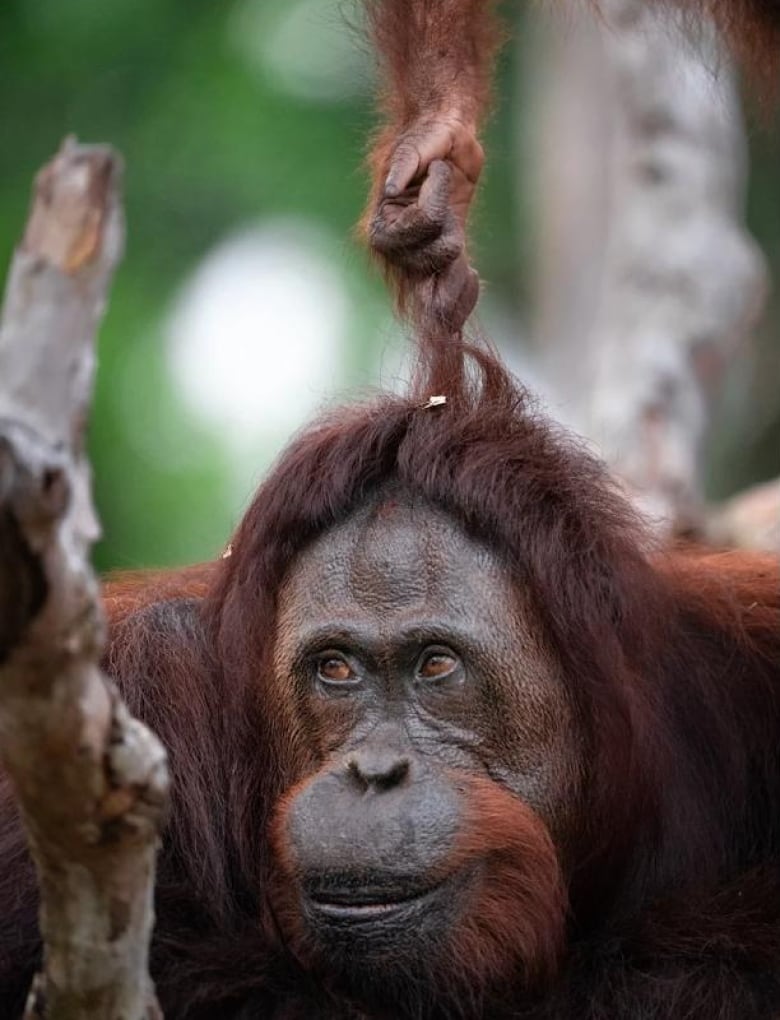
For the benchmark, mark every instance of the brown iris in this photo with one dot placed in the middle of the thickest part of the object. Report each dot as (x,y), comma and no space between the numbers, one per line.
(334,669)
(436,666)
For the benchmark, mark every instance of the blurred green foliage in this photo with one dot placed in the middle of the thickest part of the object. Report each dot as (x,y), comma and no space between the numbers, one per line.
(213,140)
(209,143)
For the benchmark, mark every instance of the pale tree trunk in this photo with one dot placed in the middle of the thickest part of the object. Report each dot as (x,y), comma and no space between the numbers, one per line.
(91,781)
(648,127)
(565,148)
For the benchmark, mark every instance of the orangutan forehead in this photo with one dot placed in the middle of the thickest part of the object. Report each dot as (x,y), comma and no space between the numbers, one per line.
(397,554)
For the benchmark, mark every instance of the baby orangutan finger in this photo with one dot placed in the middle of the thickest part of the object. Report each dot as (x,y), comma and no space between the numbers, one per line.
(413,246)
(417,231)
(433,258)
(456,292)
(405,165)
(447,299)
(443,138)
(398,227)
(434,197)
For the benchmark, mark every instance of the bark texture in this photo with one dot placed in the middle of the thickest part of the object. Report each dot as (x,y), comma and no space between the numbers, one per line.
(91,781)
(683,282)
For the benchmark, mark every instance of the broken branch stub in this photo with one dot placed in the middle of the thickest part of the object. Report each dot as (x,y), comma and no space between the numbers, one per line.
(91,781)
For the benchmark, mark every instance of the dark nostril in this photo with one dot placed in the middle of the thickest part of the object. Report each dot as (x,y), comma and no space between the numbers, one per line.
(377,769)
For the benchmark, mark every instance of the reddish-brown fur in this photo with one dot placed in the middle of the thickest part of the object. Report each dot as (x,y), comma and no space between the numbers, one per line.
(673,662)
(434,57)
(436,64)
(518,923)
(514,928)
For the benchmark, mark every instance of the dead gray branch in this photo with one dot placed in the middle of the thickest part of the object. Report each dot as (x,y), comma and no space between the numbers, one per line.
(683,282)
(91,781)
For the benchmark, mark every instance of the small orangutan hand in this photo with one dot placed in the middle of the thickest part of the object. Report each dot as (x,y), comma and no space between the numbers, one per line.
(418,226)
(432,172)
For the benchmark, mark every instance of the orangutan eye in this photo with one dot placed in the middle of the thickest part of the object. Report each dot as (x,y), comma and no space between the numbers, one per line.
(334,669)
(436,664)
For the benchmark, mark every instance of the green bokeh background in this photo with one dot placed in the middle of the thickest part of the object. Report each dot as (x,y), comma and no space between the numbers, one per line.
(213,140)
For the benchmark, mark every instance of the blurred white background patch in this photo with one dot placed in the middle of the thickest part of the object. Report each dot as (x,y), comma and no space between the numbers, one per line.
(256,335)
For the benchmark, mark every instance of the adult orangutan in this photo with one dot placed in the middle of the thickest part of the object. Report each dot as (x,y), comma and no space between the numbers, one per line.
(448,738)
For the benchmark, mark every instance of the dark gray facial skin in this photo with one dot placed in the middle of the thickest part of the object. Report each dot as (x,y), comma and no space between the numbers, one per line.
(412,658)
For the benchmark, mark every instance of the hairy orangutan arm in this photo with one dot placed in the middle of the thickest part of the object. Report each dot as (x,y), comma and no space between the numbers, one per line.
(436,60)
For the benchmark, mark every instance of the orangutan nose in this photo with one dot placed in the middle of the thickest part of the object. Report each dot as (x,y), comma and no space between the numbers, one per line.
(380,819)
(378,769)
